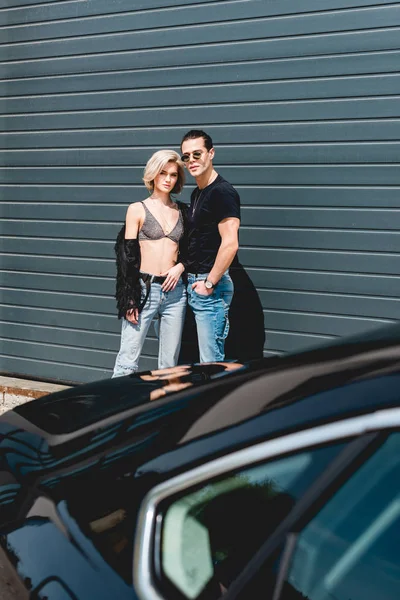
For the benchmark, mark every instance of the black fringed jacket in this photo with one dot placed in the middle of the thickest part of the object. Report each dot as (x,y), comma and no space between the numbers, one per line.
(128,291)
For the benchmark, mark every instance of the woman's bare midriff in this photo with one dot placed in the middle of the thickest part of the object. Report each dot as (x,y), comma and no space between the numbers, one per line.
(157,256)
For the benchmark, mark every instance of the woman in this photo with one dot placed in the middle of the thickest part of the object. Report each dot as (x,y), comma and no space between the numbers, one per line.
(150,263)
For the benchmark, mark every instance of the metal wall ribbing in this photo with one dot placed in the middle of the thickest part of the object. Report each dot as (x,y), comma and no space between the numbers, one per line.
(302,100)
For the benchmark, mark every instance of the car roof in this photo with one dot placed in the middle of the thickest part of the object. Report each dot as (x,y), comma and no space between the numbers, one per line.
(260,398)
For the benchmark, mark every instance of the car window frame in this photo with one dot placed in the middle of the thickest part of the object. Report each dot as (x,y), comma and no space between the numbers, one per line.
(318,494)
(148,519)
(292,536)
(165,584)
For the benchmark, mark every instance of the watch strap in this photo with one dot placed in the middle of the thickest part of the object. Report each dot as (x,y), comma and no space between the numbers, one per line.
(209,282)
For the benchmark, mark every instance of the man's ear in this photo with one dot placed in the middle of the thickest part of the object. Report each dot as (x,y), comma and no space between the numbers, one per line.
(212,153)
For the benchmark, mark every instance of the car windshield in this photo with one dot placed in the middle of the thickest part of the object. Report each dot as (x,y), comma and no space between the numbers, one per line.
(210,533)
(350,549)
(106,506)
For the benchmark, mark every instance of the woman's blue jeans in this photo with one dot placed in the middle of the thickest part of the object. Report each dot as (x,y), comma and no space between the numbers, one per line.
(170,308)
(211,314)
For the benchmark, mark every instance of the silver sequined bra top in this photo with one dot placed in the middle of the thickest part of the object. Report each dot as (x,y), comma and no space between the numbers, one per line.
(152,230)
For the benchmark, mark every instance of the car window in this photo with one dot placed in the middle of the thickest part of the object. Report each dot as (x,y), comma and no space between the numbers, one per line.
(209,534)
(350,550)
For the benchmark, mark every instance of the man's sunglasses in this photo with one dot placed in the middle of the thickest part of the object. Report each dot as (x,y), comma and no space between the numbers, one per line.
(196,155)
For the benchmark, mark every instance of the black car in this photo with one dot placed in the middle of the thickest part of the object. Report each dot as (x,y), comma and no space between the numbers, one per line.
(277,479)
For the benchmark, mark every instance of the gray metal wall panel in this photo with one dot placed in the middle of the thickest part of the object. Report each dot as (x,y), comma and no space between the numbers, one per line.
(302,102)
(73,196)
(147,35)
(81,217)
(315,153)
(332,128)
(172,57)
(131,124)
(337,87)
(39,10)
(385,61)
(306,174)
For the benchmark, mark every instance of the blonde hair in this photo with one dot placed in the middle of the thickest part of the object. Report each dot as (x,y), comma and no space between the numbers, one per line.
(155,165)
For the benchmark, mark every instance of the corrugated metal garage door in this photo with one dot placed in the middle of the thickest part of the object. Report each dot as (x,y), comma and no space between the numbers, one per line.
(302,100)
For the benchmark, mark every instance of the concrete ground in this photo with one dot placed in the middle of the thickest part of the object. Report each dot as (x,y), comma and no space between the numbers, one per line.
(15,391)
(10,587)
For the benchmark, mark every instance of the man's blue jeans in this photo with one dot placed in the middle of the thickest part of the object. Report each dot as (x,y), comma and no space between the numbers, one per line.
(170,308)
(211,314)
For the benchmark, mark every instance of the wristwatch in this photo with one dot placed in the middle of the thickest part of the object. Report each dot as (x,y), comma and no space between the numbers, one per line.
(209,285)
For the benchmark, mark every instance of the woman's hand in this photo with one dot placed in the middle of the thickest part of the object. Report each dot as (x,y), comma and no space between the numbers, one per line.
(173,275)
(132,315)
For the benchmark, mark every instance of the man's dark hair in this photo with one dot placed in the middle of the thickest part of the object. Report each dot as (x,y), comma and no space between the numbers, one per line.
(193,134)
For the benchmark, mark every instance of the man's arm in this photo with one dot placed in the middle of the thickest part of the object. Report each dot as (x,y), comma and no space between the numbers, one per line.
(228,230)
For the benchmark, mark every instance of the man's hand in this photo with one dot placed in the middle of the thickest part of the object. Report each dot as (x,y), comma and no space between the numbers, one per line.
(132,315)
(173,275)
(200,288)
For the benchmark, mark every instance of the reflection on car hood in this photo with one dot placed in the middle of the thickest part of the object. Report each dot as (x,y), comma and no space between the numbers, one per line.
(139,417)
(73,409)
(129,416)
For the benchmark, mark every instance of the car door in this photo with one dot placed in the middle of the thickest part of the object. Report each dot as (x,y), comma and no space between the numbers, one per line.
(349,548)
(244,526)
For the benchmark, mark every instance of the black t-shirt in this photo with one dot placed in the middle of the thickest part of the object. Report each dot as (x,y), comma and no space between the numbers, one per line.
(208,207)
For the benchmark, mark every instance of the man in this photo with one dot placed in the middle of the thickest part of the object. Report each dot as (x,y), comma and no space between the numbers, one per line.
(213,227)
